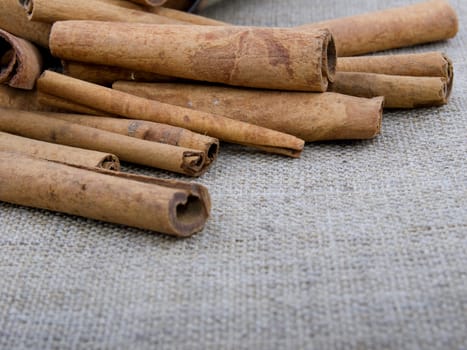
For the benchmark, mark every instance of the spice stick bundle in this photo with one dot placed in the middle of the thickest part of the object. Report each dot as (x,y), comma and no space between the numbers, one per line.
(145,130)
(172,207)
(310,116)
(50,11)
(20,62)
(269,58)
(106,75)
(398,91)
(177,159)
(58,153)
(134,107)
(14,21)
(424,22)
(23,99)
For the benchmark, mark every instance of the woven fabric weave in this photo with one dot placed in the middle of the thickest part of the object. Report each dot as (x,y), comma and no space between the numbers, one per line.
(357,245)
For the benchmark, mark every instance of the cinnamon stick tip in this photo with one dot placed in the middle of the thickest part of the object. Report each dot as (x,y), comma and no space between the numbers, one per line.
(449,75)
(379,120)
(329,57)
(189,212)
(111,162)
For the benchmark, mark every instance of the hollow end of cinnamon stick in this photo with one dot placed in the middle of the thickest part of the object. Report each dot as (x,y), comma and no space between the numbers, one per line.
(449,75)
(111,162)
(28,6)
(329,58)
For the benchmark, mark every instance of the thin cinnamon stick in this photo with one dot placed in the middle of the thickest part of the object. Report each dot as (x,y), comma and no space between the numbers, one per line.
(22,99)
(135,107)
(50,101)
(428,64)
(50,11)
(14,20)
(399,91)
(20,62)
(186,17)
(58,153)
(270,58)
(172,207)
(33,125)
(145,130)
(420,23)
(106,75)
(310,116)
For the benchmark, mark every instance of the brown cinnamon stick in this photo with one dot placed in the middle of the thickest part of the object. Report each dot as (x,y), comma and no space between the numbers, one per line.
(20,62)
(172,207)
(134,107)
(106,75)
(310,116)
(61,105)
(58,153)
(145,130)
(33,125)
(428,64)
(256,57)
(186,17)
(420,23)
(50,11)
(22,99)
(399,91)
(14,20)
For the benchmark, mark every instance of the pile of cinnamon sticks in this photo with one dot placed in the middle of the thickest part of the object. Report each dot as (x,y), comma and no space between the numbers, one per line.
(152,85)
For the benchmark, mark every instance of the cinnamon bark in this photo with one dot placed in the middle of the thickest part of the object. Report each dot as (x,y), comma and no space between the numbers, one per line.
(33,125)
(14,20)
(22,99)
(145,130)
(60,104)
(271,58)
(420,23)
(134,107)
(399,91)
(171,207)
(186,17)
(106,75)
(58,153)
(310,116)
(430,64)
(50,11)
(20,62)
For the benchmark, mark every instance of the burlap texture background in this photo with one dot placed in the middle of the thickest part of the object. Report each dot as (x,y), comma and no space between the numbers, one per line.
(356,245)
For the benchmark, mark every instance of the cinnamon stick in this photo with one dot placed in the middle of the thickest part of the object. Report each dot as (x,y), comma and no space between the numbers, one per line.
(429,64)
(106,75)
(20,62)
(50,11)
(50,101)
(14,20)
(145,130)
(58,153)
(172,158)
(399,91)
(134,107)
(310,116)
(186,17)
(420,23)
(22,99)
(172,207)
(270,58)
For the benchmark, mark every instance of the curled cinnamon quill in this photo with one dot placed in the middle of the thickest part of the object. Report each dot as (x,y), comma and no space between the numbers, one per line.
(20,62)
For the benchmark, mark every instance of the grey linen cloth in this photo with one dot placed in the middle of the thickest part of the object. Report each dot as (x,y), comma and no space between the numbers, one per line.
(357,245)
